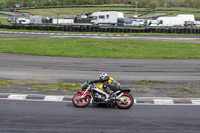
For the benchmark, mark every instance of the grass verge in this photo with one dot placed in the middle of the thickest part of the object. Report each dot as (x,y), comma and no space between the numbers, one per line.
(42,86)
(4,83)
(183,89)
(58,86)
(150,81)
(102,48)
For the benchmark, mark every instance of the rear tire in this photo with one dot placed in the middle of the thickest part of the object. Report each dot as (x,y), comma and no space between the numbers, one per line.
(81,103)
(127,103)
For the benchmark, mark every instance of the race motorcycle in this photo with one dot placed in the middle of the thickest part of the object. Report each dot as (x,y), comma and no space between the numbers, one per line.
(121,98)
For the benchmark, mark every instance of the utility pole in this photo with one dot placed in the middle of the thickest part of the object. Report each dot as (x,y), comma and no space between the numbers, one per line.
(58,11)
(16,6)
(136,4)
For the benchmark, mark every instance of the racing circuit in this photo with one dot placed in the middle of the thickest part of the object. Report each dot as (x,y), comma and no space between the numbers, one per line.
(36,116)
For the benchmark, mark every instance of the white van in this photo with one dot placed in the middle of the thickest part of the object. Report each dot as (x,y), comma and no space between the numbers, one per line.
(178,20)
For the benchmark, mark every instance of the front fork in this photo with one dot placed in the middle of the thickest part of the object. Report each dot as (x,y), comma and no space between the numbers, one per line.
(119,95)
(86,91)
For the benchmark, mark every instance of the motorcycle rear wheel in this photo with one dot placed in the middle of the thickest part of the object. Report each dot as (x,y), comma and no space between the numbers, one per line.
(78,102)
(126,103)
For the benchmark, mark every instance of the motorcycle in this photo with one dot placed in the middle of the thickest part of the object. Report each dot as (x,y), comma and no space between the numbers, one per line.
(95,93)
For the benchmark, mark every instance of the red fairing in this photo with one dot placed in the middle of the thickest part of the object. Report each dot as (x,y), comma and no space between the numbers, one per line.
(87,94)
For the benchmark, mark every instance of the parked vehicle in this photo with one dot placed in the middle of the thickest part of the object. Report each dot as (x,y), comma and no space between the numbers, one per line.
(22,21)
(124,21)
(122,99)
(178,20)
(189,23)
(106,17)
(63,21)
(139,22)
(197,23)
(35,20)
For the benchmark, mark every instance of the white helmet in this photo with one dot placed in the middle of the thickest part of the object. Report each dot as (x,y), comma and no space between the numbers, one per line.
(103,75)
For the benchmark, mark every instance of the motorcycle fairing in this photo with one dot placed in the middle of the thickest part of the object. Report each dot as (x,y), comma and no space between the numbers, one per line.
(100,86)
(101,91)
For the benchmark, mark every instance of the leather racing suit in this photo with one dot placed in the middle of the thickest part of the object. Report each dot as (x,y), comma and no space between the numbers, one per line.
(109,83)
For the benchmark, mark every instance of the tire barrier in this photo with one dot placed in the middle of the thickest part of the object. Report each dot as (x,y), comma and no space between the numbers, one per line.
(83,28)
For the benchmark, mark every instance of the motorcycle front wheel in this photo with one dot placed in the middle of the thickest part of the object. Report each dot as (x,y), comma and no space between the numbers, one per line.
(78,102)
(126,101)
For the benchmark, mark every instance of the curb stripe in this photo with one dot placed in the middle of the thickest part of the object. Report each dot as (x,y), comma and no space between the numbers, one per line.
(138,101)
(196,102)
(4,95)
(145,101)
(163,102)
(35,97)
(182,102)
(17,97)
(67,98)
(54,98)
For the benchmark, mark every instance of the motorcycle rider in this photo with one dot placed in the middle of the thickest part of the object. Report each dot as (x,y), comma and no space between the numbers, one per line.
(109,83)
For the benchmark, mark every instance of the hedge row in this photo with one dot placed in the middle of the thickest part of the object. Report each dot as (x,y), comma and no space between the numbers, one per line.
(104,29)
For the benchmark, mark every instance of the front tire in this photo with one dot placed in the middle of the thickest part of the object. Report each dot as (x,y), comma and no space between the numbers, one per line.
(126,101)
(78,102)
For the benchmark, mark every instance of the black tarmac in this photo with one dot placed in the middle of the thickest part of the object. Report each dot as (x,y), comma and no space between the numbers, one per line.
(53,117)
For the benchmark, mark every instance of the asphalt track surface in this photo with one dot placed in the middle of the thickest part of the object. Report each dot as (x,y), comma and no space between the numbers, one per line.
(189,39)
(55,117)
(69,69)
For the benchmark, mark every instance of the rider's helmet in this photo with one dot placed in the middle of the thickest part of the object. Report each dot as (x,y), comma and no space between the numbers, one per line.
(103,76)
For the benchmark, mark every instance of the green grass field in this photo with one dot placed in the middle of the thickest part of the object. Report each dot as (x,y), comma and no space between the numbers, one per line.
(129,11)
(5,22)
(105,48)
(2,15)
(72,12)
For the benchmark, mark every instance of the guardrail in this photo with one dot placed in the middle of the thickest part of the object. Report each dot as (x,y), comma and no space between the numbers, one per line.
(87,28)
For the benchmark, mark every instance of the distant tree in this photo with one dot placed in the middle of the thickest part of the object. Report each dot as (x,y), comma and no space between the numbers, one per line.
(117,1)
(92,2)
(54,3)
(2,4)
(175,3)
(99,2)
(111,2)
(188,3)
(124,1)
(143,3)
(197,3)
(154,4)
(132,2)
